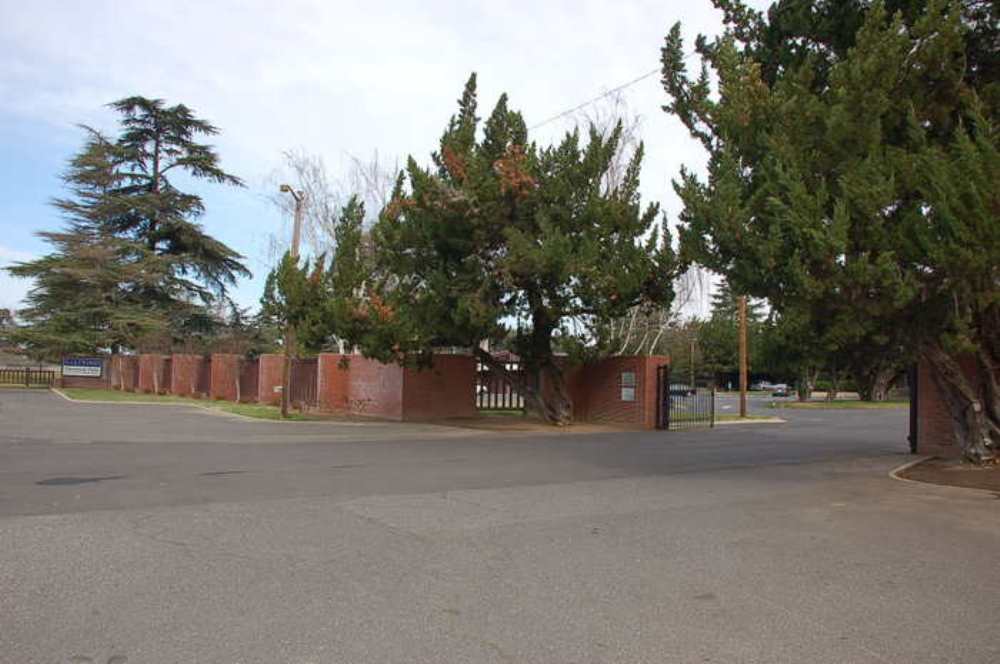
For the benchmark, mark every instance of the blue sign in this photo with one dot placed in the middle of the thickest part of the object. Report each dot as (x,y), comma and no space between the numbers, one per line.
(83,367)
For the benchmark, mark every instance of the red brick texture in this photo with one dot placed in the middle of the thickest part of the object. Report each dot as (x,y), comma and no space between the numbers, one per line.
(375,389)
(352,384)
(333,376)
(185,374)
(124,372)
(225,376)
(596,390)
(355,385)
(154,373)
(249,371)
(446,389)
(272,367)
(935,431)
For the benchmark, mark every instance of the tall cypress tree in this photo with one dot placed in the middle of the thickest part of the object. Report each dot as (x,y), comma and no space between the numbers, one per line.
(133,259)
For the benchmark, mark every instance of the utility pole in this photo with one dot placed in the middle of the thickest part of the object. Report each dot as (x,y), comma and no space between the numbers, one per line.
(743,355)
(289,341)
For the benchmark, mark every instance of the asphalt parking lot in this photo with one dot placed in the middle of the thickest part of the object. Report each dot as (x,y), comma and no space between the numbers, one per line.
(169,534)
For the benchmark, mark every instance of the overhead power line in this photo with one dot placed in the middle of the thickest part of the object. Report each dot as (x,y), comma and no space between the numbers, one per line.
(601,96)
(597,98)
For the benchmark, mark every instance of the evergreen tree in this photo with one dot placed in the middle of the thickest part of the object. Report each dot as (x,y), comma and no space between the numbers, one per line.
(853,182)
(502,230)
(317,301)
(718,335)
(133,259)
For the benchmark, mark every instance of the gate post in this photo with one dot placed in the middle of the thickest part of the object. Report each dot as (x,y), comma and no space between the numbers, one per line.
(659,396)
(713,405)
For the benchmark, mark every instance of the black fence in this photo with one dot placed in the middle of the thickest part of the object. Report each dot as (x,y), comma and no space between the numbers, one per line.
(683,406)
(496,390)
(27,376)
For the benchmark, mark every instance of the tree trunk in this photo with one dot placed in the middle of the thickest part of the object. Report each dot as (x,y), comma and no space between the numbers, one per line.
(239,375)
(973,403)
(873,382)
(543,388)
(804,388)
(831,394)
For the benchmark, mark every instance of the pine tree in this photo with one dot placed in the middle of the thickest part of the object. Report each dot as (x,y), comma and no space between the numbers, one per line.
(855,185)
(502,230)
(133,262)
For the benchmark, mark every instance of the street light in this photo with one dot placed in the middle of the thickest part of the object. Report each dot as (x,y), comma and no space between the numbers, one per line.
(286,379)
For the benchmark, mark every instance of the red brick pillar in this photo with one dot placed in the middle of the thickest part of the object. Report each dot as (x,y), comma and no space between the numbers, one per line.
(333,382)
(153,376)
(184,374)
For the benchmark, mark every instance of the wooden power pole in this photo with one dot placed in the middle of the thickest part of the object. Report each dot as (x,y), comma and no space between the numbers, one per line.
(743,355)
(286,378)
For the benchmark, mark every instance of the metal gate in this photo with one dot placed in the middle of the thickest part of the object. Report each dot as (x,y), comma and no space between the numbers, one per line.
(682,406)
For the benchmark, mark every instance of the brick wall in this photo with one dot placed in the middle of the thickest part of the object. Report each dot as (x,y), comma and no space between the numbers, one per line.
(596,390)
(185,374)
(225,376)
(355,385)
(272,367)
(447,389)
(333,376)
(935,432)
(374,388)
(125,372)
(154,373)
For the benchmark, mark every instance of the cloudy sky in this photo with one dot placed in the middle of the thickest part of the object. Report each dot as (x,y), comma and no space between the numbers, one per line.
(332,78)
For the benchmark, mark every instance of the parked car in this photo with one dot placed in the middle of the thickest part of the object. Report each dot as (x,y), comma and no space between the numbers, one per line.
(780,390)
(680,390)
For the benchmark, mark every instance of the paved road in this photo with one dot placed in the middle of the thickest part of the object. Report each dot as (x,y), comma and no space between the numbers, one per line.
(168,534)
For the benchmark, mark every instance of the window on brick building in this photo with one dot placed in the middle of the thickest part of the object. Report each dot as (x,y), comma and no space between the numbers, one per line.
(627,380)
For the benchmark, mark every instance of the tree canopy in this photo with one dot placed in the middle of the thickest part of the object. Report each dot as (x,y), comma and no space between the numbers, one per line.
(133,259)
(500,237)
(852,181)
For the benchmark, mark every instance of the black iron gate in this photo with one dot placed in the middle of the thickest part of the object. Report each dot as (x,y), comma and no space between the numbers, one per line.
(682,406)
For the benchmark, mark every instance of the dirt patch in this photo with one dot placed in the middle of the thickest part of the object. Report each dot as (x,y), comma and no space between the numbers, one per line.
(951,472)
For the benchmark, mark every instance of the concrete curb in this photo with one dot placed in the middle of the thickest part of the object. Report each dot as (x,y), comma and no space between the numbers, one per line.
(894,473)
(202,407)
(124,403)
(969,491)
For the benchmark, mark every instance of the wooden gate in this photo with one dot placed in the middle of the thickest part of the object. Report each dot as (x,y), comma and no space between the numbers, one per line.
(498,391)
(302,382)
